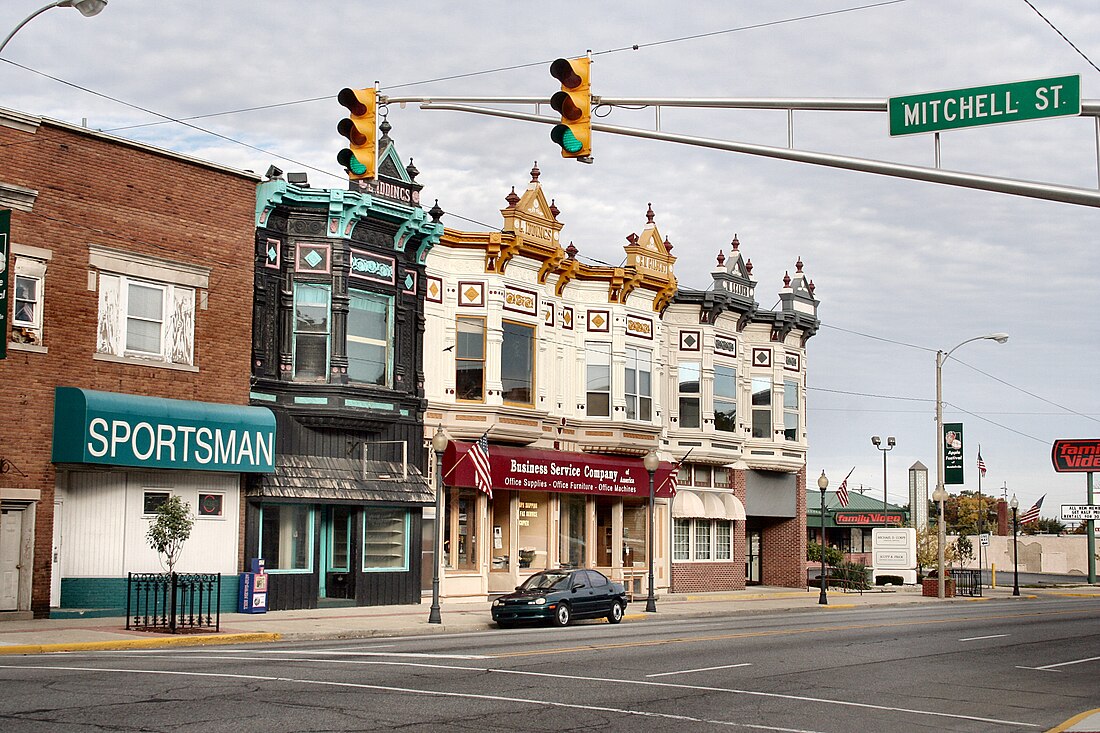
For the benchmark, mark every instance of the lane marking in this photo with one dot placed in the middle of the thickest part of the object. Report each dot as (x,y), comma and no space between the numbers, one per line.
(979,638)
(352,653)
(777,632)
(674,685)
(432,693)
(702,669)
(1048,667)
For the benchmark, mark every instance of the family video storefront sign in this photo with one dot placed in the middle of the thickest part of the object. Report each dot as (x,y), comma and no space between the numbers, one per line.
(522,469)
(108,428)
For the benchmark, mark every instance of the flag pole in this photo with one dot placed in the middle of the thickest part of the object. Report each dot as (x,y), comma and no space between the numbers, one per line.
(464,456)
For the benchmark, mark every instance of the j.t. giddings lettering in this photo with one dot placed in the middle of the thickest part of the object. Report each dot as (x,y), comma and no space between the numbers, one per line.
(388,190)
(1076,456)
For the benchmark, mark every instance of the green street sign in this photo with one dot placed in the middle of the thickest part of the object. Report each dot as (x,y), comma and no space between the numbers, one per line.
(5,247)
(989,105)
(952,453)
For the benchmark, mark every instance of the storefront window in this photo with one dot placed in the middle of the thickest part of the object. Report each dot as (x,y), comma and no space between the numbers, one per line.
(385,539)
(460,531)
(534,508)
(681,539)
(571,540)
(286,537)
(722,547)
(605,512)
(635,515)
(502,530)
(702,539)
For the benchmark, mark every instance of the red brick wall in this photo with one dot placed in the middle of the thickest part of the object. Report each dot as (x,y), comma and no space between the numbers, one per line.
(701,577)
(93,190)
(784,545)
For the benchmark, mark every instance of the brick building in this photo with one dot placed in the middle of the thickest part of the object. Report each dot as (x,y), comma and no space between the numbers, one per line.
(130,311)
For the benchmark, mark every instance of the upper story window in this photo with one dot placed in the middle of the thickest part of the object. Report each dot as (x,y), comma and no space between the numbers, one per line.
(790,410)
(517,363)
(311,330)
(762,407)
(26,318)
(146,307)
(639,384)
(146,320)
(370,318)
(470,359)
(725,398)
(598,379)
(690,373)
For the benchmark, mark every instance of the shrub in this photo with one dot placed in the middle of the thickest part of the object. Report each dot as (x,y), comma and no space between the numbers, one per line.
(889,580)
(833,556)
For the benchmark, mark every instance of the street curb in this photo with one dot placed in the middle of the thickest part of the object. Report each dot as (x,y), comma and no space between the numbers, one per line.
(1082,723)
(120,644)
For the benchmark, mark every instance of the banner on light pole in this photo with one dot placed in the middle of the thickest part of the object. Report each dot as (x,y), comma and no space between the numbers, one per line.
(952,452)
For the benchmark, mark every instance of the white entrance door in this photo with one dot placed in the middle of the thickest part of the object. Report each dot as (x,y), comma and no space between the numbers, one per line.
(55,558)
(11,531)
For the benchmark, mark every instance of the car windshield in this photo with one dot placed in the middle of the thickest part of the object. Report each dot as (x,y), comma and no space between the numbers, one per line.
(546,581)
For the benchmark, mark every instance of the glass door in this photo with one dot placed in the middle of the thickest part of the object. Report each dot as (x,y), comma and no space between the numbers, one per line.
(752,557)
(336,576)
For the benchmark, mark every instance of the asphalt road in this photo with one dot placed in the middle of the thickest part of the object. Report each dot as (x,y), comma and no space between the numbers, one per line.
(1012,665)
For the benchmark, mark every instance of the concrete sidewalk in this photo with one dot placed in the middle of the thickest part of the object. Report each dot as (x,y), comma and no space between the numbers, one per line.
(77,634)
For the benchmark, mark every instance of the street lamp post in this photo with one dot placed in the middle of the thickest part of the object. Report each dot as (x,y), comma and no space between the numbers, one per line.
(87,8)
(890,443)
(651,462)
(439,444)
(941,357)
(1015,504)
(823,483)
(940,496)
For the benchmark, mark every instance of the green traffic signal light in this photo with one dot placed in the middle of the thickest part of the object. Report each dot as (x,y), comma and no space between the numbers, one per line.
(564,137)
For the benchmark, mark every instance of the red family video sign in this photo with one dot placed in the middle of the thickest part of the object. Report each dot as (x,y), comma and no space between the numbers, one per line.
(1076,455)
(526,469)
(868,518)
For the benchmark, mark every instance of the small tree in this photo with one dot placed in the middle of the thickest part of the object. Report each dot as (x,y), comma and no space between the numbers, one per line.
(170,530)
(833,556)
(964,549)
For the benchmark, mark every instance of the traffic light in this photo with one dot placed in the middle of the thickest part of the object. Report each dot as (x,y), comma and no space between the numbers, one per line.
(360,130)
(574,104)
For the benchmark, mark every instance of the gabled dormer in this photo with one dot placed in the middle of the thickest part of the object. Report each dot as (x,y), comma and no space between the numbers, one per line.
(733,276)
(534,228)
(649,263)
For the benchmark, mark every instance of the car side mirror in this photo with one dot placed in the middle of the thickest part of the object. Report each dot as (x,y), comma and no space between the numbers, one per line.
(577,587)
(519,587)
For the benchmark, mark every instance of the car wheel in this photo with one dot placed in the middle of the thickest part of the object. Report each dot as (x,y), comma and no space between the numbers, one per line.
(562,615)
(616,613)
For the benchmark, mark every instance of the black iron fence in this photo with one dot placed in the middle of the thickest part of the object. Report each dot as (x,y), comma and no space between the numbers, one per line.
(176,603)
(967,582)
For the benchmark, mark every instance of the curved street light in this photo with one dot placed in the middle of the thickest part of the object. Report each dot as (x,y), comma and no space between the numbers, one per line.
(87,8)
(941,357)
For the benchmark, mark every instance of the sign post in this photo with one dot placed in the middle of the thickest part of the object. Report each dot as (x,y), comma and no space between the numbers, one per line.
(1081,456)
(987,105)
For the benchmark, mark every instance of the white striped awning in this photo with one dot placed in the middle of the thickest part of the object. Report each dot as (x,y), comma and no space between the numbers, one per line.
(707,505)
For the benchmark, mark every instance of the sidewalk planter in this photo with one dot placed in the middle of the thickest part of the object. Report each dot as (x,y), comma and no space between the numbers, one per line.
(931,588)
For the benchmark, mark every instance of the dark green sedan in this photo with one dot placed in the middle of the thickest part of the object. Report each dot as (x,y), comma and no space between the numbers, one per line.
(559,596)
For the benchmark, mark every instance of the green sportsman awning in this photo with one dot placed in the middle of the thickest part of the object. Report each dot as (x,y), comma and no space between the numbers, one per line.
(109,428)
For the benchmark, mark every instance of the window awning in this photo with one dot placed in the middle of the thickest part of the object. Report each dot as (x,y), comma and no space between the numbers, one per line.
(707,505)
(343,480)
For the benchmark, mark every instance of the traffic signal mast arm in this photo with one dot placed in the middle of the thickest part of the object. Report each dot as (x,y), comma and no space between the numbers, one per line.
(1029,189)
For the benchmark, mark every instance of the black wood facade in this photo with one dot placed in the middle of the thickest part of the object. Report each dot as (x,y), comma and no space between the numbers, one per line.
(341,271)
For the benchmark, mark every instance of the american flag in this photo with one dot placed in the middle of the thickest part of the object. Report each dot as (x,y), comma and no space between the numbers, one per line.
(672,477)
(981,463)
(483,475)
(1032,514)
(842,492)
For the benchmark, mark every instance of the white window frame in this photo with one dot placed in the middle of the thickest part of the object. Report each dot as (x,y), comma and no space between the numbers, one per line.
(639,404)
(602,349)
(696,396)
(385,343)
(181,285)
(694,535)
(29,263)
(791,389)
(768,430)
(731,398)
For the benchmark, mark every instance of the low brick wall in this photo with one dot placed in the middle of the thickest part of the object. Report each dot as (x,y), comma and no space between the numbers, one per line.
(703,577)
(930,587)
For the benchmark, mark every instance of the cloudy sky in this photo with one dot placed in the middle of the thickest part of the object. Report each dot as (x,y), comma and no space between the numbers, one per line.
(902,268)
